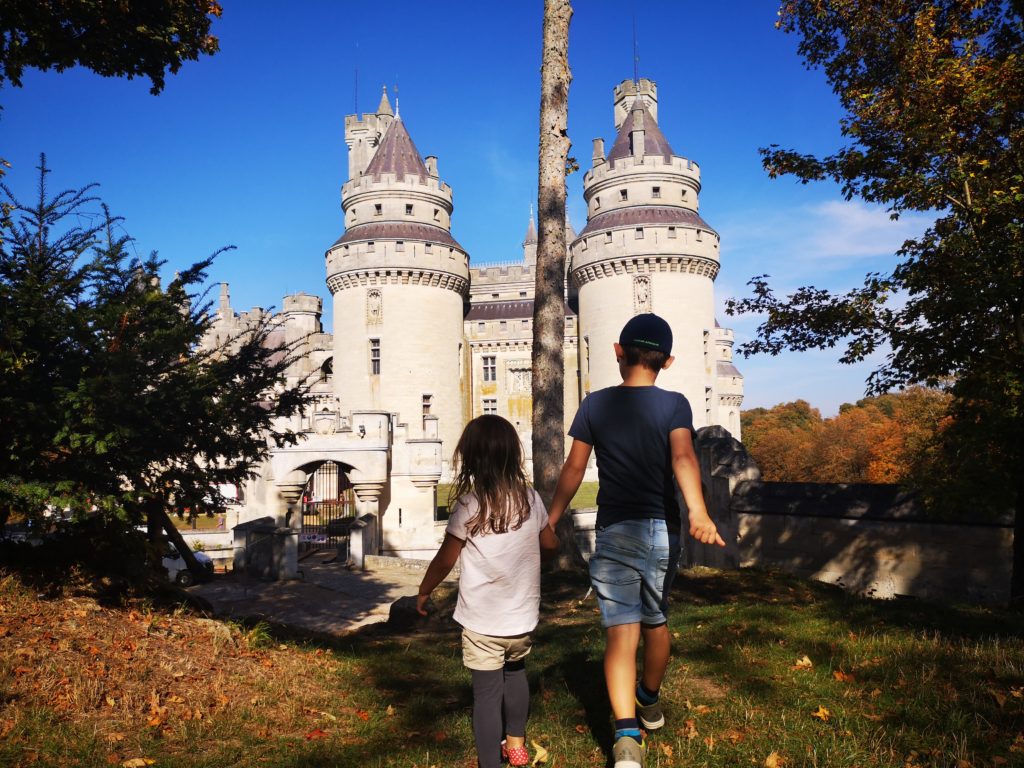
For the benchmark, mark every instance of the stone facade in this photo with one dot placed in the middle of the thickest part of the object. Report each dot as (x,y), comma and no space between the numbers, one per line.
(422,342)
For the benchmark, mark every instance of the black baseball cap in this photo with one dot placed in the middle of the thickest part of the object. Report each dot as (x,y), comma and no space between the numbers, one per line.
(647,331)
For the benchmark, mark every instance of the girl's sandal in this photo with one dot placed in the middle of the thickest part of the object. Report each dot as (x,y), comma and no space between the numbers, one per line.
(516,756)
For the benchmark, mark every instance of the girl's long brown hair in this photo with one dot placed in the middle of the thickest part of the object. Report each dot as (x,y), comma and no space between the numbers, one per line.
(489,458)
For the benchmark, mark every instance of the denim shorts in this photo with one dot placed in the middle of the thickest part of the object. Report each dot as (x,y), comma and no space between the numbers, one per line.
(632,570)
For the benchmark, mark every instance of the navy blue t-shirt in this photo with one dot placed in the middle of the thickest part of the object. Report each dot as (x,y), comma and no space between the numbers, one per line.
(629,427)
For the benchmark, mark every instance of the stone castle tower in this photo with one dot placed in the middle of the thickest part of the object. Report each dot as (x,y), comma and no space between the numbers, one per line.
(645,248)
(399,282)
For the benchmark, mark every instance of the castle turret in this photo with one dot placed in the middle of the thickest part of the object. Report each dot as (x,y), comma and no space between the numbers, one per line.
(530,243)
(646,249)
(399,281)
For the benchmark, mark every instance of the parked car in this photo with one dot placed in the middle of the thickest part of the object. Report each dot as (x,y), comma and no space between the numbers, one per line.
(178,572)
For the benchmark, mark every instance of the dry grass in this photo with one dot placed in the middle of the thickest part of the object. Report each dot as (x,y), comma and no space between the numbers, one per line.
(896,685)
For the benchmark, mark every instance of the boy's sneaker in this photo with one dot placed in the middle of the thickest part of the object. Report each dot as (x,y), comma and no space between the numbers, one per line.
(629,753)
(650,715)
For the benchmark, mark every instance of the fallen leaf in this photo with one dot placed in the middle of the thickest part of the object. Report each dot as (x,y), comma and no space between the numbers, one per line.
(154,722)
(111,701)
(702,709)
(876,693)
(172,699)
(315,734)
(581,729)
(822,714)
(774,760)
(709,742)
(540,755)
(964,764)
(1000,698)
(115,737)
(690,730)
(138,762)
(390,711)
(1017,693)
(843,677)
(439,736)
(363,715)
(804,662)
(734,736)
(997,760)
(667,750)
(872,717)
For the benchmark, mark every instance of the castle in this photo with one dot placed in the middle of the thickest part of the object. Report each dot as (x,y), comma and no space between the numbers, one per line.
(422,342)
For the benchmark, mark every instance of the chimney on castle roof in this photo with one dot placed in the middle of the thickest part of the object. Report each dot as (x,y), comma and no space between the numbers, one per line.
(598,156)
(431,161)
(636,135)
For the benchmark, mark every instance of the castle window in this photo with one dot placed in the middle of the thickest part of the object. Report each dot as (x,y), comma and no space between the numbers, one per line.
(672,233)
(570,322)
(437,214)
(526,323)
(375,357)
(639,233)
(408,209)
(684,194)
(491,405)
(346,251)
(700,236)
(655,191)
(369,246)
(503,325)
(490,368)
(597,203)
(522,294)
(623,195)
(584,246)
(427,400)
(481,327)
(400,245)
(607,237)
(495,295)
(378,209)
(429,247)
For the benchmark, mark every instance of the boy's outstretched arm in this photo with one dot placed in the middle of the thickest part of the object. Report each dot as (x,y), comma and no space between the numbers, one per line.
(687,472)
(569,481)
(439,567)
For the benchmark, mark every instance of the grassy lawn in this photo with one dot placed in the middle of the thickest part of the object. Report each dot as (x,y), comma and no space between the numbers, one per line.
(767,670)
(585,497)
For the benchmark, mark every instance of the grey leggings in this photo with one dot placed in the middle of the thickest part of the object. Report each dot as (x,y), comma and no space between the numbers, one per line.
(497,693)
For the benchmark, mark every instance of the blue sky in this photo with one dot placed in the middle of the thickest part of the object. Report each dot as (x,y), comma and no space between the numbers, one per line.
(247,148)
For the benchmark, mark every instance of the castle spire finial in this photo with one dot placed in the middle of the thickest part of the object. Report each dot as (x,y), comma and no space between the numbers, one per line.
(397,114)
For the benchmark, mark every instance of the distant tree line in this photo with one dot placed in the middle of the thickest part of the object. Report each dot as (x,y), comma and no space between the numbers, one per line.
(911,438)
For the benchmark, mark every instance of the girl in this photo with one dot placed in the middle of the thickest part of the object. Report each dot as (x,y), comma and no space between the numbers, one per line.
(499,526)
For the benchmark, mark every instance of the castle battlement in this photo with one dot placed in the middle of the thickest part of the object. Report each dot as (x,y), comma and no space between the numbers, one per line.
(302,302)
(649,163)
(501,273)
(388,182)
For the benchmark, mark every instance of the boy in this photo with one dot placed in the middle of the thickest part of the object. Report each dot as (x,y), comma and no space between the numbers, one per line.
(643,438)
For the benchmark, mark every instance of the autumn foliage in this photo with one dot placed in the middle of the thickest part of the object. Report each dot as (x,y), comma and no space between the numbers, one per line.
(892,438)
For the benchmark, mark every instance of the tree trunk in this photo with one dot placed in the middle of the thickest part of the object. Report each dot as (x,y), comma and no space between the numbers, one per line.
(549,301)
(158,515)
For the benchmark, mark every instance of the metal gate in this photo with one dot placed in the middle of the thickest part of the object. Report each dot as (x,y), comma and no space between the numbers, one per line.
(328,511)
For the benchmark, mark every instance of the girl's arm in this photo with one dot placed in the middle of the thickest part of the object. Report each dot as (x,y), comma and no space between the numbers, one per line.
(569,480)
(439,567)
(548,543)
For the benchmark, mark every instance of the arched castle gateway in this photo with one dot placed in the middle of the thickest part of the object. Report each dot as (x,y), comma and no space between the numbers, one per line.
(423,342)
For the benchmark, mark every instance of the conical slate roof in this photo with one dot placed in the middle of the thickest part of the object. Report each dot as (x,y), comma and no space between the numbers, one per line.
(384,108)
(531,233)
(397,154)
(655,142)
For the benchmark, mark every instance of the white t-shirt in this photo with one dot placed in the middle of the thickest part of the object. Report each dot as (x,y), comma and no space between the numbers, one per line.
(499,581)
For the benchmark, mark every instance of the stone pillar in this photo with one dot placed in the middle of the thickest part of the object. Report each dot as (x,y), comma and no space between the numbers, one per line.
(288,517)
